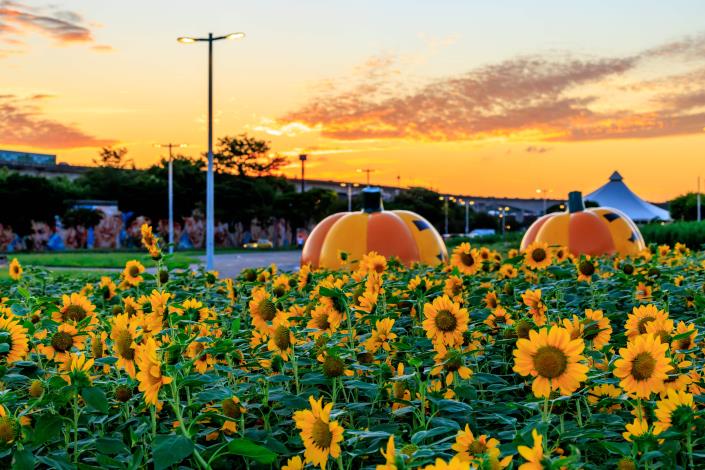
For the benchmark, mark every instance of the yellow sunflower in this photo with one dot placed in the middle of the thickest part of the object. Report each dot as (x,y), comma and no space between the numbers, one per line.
(75,308)
(596,328)
(533,455)
(76,368)
(469,447)
(381,336)
(677,410)
(294,463)
(107,287)
(553,358)
(373,262)
(262,310)
(123,332)
(498,317)
(390,456)
(466,259)
(324,319)
(14,335)
(586,268)
(537,309)
(560,253)
(445,322)
(10,428)
(538,256)
(606,395)
(508,271)
(321,436)
(15,270)
(640,316)
(453,287)
(132,274)
(150,372)
(66,338)
(282,339)
(304,276)
(491,301)
(684,337)
(643,366)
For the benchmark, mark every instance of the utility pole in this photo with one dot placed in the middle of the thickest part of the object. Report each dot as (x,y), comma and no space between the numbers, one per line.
(467,216)
(368,171)
(303,157)
(170,171)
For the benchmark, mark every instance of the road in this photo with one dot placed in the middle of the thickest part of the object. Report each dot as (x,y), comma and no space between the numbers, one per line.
(231,264)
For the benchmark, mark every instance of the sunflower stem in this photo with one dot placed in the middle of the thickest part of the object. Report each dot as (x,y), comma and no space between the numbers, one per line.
(689,445)
(176,405)
(75,427)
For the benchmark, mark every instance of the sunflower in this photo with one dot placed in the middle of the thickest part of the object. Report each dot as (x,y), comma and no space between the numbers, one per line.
(14,335)
(606,395)
(158,301)
(677,410)
(304,276)
(553,358)
(533,455)
(469,447)
(294,463)
(684,337)
(596,328)
(324,320)
(202,361)
(321,436)
(9,427)
(453,464)
(77,368)
(381,336)
(661,327)
(643,366)
(537,309)
(107,287)
(390,456)
(123,332)
(643,291)
(640,317)
(498,317)
(537,256)
(262,310)
(491,301)
(466,259)
(560,253)
(282,339)
(373,262)
(445,322)
(132,274)
(65,338)
(586,268)
(15,270)
(453,287)
(75,308)
(508,271)
(148,239)
(450,361)
(150,371)
(131,307)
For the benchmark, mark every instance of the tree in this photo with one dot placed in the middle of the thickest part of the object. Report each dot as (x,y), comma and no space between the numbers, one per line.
(246,156)
(685,207)
(113,158)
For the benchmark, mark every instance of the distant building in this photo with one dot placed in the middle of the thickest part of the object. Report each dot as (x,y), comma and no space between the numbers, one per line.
(38,164)
(616,194)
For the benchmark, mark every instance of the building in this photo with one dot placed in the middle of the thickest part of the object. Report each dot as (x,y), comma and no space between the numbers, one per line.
(617,195)
(38,164)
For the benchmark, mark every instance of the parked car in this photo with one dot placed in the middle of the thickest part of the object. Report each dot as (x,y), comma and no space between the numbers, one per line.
(482,232)
(261,244)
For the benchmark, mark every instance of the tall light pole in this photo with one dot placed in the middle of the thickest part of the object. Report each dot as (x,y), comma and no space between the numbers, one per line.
(171,146)
(210,199)
(543,192)
(698,198)
(368,171)
(466,203)
(445,213)
(303,157)
(349,186)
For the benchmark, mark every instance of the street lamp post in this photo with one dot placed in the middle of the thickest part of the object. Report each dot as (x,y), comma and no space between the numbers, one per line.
(210,199)
(467,216)
(303,157)
(445,213)
(349,186)
(368,171)
(170,184)
(543,192)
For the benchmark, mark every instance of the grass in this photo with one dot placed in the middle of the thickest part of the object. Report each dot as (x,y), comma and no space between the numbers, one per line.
(101,260)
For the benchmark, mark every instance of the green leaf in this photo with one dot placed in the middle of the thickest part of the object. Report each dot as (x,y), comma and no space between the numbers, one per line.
(169,450)
(95,398)
(247,448)
(48,427)
(110,445)
(22,459)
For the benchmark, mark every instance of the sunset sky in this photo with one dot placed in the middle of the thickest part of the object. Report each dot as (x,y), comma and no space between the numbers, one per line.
(481,98)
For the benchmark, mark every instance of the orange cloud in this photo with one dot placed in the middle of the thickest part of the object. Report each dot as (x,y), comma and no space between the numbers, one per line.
(21,123)
(541,98)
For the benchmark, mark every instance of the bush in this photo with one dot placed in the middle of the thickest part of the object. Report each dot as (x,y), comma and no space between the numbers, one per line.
(690,233)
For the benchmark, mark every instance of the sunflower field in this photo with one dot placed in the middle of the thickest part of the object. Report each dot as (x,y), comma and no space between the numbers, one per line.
(530,360)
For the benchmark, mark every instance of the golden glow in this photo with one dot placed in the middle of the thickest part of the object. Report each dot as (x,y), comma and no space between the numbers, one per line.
(235,36)
(186,40)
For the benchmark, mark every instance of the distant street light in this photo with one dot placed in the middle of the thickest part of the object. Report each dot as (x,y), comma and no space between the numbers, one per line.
(466,203)
(210,199)
(303,157)
(543,192)
(349,186)
(171,146)
(445,212)
(368,171)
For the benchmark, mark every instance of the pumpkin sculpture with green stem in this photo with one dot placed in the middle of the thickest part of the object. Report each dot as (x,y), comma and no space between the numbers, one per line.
(595,231)
(401,234)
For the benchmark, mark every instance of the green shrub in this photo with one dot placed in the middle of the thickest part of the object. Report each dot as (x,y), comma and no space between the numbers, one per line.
(690,233)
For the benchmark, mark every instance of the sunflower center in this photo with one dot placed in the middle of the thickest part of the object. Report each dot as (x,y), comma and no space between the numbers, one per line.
(684,343)
(267,310)
(134,271)
(467,259)
(550,362)
(123,342)
(74,313)
(333,367)
(586,268)
(492,302)
(446,321)
(642,324)
(8,429)
(643,366)
(321,435)
(538,255)
(453,363)
(282,338)
(230,408)
(61,341)
(477,447)
(322,322)
(97,348)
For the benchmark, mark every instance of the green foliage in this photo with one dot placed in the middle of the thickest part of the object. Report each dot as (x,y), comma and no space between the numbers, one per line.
(692,234)
(246,156)
(685,207)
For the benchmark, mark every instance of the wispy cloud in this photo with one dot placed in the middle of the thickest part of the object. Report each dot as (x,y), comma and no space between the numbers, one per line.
(550,97)
(64,27)
(22,123)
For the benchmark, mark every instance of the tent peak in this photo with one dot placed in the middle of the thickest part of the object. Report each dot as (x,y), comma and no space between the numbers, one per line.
(616,176)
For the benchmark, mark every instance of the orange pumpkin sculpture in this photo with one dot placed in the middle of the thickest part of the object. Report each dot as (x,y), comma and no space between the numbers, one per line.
(402,234)
(594,231)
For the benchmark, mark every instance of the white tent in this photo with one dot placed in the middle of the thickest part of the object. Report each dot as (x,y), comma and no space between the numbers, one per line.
(616,194)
